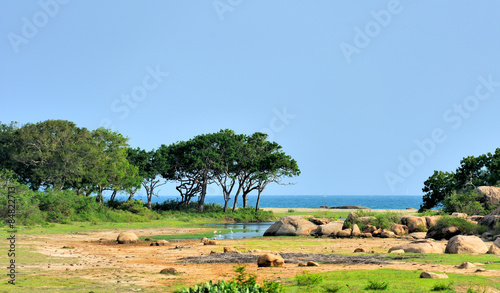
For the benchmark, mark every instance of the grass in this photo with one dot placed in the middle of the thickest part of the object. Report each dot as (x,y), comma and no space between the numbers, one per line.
(400,281)
(491,262)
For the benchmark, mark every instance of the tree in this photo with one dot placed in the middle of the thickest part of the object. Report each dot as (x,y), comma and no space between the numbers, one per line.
(7,147)
(483,170)
(108,168)
(149,166)
(50,154)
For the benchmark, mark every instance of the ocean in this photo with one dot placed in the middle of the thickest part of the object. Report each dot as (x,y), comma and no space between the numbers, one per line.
(312,201)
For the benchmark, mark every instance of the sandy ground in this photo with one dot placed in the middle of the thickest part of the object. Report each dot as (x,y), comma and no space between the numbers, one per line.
(138,265)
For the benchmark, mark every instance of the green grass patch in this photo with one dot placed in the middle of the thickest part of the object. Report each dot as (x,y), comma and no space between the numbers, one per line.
(491,262)
(400,281)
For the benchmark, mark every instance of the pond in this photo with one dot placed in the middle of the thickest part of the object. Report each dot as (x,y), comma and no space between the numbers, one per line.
(241,230)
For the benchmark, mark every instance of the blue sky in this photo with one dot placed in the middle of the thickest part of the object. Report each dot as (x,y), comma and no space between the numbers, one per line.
(368,97)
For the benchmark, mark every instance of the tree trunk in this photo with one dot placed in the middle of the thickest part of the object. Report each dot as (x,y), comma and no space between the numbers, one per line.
(235,202)
(113,195)
(201,201)
(244,198)
(258,200)
(226,202)
(100,198)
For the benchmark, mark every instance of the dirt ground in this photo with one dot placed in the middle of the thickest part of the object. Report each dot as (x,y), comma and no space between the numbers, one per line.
(138,265)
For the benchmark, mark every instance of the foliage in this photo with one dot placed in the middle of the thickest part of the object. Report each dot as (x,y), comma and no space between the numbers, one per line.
(465,227)
(243,282)
(483,170)
(332,288)
(468,202)
(376,285)
(305,279)
(443,287)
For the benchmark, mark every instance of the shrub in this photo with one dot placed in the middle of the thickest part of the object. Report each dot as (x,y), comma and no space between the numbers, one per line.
(468,202)
(463,225)
(375,285)
(443,287)
(305,279)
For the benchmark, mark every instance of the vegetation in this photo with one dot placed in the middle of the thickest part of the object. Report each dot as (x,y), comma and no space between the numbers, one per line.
(464,226)
(376,285)
(243,282)
(483,170)
(305,279)
(443,287)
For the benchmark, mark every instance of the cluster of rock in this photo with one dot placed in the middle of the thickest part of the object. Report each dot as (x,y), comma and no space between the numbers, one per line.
(422,229)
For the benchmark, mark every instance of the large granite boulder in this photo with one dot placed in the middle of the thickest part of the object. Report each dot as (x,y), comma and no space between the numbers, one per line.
(291,226)
(442,233)
(462,244)
(270,260)
(330,228)
(127,238)
(431,221)
(399,229)
(414,223)
(421,246)
(491,195)
(495,247)
(491,219)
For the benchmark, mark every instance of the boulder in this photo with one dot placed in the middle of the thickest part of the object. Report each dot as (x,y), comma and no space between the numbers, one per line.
(127,238)
(431,221)
(387,234)
(495,247)
(420,246)
(355,231)
(317,221)
(491,195)
(487,236)
(270,260)
(344,233)
(462,244)
(466,265)
(369,229)
(366,235)
(414,224)
(459,215)
(312,264)
(429,275)
(491,219)
(397,251)
(210,242)
(350,208)
(291,226)
(399,229)
(159,243)
(443,233)
(377,232)
(330,228)
(169,271)
(359,249)
(417,235)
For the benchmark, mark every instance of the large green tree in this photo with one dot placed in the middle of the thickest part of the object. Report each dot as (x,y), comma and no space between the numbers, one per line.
(483,170)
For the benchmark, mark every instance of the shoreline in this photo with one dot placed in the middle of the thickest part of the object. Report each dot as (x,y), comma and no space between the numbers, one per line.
(312,210)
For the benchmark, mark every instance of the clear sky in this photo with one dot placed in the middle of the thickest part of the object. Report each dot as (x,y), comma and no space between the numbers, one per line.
(368,96)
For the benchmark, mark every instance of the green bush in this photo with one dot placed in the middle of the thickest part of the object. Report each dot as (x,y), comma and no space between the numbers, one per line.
(305,278)
(443,287)
(375,285)
(462,224)
(468,202)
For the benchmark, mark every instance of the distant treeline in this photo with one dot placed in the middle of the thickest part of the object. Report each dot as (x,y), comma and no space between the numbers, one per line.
(58,155)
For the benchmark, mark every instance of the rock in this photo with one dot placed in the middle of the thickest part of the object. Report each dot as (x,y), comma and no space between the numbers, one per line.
(302,264)
(414,224)
(162,242)
(210,242)
(491,219)
(366,235)
(317,221)
(387,234)
(495,247)
(68,247)
(291,226)
(398,251)
(466,265)
(429,275)
(169,271)
(377,232)
(330,228)
(369,229)
(420,246)
(148,239)
(312,264)
(355,231)
(270,260)
(399,229)
(359,249)
(491,195)
(213,252)
(479,270)
(487,236)
(344,233)
(444,233)
(230,250)
(462,244)
(431,221)
(354,219)
(475,219)
(418,235)
(459,215)
(127,238)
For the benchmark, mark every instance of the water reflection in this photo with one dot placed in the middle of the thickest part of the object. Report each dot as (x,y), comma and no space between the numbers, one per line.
(251,230)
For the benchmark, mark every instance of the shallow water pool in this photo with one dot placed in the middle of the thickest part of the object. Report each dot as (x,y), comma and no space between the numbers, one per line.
(250,230)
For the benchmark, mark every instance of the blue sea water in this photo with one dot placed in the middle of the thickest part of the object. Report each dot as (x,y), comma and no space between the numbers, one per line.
(313,201)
